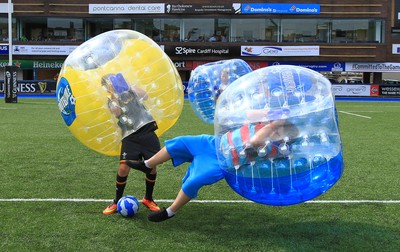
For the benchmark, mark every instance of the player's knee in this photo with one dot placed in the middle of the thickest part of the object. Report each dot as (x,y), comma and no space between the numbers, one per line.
(191,189)
(123,169)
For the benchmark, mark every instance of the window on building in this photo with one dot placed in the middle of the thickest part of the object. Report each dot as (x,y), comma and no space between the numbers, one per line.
(293,30)
(357,31)
(198,30)
(304,30)
(33,29)
(323,30)
(122,23)
(166,30)
(4,29)
(271,30)
(222,28)
(96,26)
(146,26)
(64,29)
(254,30)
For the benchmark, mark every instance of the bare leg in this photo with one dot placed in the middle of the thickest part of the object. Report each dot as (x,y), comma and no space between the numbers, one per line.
(123,170)
(160,157)
(179,201)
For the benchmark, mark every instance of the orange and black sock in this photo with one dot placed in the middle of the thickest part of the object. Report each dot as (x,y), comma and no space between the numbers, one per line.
(120,187)
(150,182)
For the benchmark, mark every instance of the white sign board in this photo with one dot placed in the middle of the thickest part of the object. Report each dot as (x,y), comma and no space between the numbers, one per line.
(351,90)
(372,67)
(274,51)
(142,8)
(396,48)
(4,8)
(42,50)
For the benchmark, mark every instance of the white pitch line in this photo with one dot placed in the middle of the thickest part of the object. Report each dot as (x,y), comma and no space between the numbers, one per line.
(21,200)
(348,113)
(353,201)
(365,111)
(7,108)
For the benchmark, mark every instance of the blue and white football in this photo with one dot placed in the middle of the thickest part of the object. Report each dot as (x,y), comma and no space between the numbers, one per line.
(128,206)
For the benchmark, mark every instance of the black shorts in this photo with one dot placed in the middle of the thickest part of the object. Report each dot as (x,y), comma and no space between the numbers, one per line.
(140,145)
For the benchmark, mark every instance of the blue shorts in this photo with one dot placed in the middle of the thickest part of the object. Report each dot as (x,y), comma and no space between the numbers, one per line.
(200,152)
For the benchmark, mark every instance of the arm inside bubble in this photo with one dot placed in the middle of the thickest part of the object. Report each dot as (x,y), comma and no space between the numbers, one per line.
(254,115)
(274,131)
(114,107)
(141,94)
(119,83)
(121,86)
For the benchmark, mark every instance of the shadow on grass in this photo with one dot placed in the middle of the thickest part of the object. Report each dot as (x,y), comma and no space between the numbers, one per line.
(273,229)
(44,226)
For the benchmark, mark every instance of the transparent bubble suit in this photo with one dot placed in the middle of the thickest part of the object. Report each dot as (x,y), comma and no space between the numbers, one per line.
(207,82)
(292,164)
(131,59)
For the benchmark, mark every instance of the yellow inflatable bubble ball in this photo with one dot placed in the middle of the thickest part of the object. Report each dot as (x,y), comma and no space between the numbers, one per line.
(113,84)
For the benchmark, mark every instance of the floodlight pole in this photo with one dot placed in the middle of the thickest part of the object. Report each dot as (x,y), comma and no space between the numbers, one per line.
(10,9)
(10,73)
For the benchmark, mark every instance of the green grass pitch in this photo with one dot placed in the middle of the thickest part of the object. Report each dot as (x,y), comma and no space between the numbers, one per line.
(53,190)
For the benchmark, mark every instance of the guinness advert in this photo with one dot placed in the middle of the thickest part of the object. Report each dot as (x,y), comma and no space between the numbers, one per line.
(32,87)
(10,84)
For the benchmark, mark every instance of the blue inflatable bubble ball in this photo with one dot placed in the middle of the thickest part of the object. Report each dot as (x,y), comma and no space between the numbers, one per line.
(277,135)
(207,81)
(128,206)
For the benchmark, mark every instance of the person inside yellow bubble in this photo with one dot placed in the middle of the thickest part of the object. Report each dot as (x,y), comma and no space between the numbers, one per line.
(139,140)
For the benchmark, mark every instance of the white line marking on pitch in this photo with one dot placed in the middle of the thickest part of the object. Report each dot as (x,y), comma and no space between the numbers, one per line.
(203,201)
(348,113)
(7,108)
(366,111)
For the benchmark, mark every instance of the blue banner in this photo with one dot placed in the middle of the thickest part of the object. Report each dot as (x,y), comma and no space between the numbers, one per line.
(3,49)
(316,66)
(272,8)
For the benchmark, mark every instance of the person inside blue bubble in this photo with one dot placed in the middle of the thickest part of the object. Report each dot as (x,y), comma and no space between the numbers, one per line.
(257,141)
(204,169)
(274,130)
(224,77)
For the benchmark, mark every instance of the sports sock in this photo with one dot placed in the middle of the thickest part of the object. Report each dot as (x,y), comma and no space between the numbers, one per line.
(146,164)
(170,212)
(150,182)
(120,187)
(137,165)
